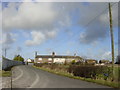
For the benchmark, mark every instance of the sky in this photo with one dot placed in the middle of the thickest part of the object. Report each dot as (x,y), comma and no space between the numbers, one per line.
(63,27)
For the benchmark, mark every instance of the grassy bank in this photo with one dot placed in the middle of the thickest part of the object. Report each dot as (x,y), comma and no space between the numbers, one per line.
(5,73)
(64,73)
(117,72)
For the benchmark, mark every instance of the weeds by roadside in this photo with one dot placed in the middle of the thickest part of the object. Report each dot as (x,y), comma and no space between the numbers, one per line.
(70,75)
(5,73)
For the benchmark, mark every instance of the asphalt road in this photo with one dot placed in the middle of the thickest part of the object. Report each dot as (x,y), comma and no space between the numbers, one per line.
(28,77)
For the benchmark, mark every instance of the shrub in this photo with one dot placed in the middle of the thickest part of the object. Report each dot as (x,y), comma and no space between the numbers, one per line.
(90,71)
(71,68)
(38,64)
(18,58)
(73,62)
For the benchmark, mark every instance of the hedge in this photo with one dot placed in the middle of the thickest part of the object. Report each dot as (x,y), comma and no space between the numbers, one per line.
(90,71)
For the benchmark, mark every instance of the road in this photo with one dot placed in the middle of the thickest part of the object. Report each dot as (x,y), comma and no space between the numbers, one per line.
(25,76)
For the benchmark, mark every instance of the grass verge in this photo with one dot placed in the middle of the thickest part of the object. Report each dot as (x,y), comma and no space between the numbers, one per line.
(5,73)
(66,74)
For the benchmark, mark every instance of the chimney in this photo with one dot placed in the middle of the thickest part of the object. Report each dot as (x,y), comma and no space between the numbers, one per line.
(35,53)
(53,53)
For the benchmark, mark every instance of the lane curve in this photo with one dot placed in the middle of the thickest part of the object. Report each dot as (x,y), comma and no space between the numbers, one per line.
(36,78)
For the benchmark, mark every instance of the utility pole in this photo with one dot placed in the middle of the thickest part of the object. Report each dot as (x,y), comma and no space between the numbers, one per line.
(112,40)
(53,55)
(11,78)
(5,52)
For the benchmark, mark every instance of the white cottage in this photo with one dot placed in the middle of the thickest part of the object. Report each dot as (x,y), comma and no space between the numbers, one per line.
(30,60)
(56,58)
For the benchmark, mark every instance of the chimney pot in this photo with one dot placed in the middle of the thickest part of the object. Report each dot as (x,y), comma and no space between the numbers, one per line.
(53,53)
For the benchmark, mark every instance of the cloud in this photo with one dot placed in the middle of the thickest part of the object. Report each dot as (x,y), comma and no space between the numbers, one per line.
(49,50)
(68,52)
(51,34)
(97,29)
(105,17)
(28,16)
(106,55)
(18,50)
(93,34)
(37,37)
(8,38)
(38,18)
(44,18)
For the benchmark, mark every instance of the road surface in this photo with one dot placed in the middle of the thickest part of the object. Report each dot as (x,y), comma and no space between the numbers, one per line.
(25,76)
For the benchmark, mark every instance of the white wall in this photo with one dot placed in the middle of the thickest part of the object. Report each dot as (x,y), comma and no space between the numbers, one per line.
(59,60)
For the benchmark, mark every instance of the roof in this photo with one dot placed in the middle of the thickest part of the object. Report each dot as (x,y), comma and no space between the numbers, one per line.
(104,61)
(30,59)
(90,60)
(56,56)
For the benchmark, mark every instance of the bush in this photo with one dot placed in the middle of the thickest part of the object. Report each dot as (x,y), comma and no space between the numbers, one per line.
(73,62)
(18,58)
(38,64)
(71,68)
(90,71)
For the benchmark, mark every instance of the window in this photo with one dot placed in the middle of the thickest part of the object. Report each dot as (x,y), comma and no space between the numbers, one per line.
(49,59)
(40,59)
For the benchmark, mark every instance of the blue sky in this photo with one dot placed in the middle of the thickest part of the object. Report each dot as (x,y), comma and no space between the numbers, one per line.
(59,27)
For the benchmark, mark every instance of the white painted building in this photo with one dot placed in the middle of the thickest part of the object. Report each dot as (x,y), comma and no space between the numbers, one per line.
(29,60)
(55,58)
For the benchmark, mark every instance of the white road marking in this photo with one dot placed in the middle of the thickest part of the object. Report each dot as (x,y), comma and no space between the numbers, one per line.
(21,74)
(36,80)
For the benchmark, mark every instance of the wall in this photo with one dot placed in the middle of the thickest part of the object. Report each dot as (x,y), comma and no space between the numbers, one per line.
(59,60)
(8,63)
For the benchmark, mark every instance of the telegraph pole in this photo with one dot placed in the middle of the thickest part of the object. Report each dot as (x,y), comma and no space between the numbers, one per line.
(5,52)
(53,54)
(112,40)
(11,78)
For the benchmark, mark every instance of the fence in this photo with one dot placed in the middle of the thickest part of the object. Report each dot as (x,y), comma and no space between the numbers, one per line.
(8,63)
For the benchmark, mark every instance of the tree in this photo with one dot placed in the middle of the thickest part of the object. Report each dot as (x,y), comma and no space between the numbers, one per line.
(18,58)
(104,61)
(3,57)
(73,62)
(65,63)
(79,62)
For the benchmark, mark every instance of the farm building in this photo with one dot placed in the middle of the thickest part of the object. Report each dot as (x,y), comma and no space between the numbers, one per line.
(56,58)
(104,61)
(90,61)
(30,60)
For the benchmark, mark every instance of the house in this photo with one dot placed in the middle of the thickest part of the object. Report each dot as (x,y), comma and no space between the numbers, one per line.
(90,61)
(61,59)
(30,60)
(104,61)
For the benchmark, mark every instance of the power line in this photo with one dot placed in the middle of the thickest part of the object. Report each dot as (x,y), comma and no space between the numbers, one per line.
(97,16)
(91,21)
